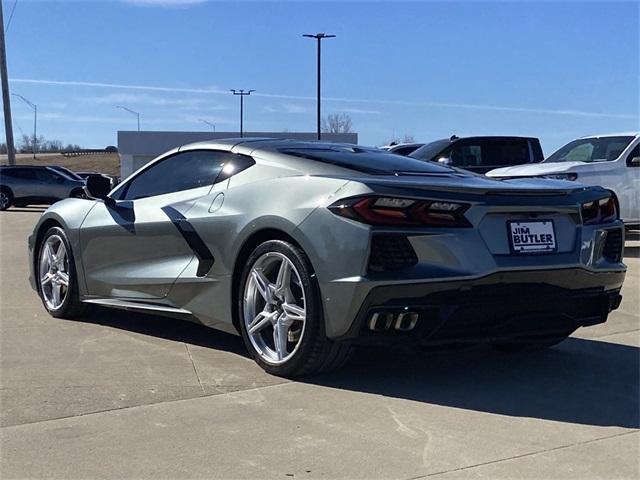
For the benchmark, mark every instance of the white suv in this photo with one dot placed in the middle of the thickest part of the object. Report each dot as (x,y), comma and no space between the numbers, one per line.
(611,161)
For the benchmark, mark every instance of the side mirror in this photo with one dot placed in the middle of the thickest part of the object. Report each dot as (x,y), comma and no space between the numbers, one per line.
(634,162)
(444,161)
(98,187)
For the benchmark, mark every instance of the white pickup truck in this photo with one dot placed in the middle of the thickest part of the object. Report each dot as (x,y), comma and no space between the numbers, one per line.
(611,161)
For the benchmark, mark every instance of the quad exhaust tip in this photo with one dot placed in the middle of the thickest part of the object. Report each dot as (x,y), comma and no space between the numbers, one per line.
(384,321)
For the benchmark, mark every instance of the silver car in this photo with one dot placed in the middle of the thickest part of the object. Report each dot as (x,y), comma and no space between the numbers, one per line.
(23,185)
(307,249)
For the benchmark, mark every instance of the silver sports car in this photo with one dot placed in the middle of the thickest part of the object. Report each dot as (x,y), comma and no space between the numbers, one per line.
(307,249)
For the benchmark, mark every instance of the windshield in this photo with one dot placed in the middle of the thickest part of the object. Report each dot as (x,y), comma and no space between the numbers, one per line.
(65,172)
(602,149)
(430,150)
(368,161)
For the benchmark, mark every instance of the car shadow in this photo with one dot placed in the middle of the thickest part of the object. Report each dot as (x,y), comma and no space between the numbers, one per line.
(590,382)
(581,381)
(631,251)
(168,328)
(632,235)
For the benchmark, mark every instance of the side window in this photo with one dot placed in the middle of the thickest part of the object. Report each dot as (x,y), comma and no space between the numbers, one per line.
(47,176)
(633,154)
(182,171)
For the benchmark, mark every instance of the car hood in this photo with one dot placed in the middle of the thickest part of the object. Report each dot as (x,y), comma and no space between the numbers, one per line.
(536,169)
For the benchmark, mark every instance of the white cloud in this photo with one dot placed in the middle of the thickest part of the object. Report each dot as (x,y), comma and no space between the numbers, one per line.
(164,3)
(286,108)
(360,111)
(369,101)
(191,103)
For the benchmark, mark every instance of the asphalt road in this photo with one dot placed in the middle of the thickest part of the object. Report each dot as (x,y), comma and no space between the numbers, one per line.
(131,396)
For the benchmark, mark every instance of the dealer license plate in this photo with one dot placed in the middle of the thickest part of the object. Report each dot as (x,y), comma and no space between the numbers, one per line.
(532,237)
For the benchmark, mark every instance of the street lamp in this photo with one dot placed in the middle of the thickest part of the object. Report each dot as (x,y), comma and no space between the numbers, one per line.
(212,125)
(35,122)
(318,37)
(132,112)
(242,94)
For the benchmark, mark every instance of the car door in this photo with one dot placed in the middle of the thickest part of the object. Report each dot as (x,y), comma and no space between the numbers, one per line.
(51,186)
(138,244)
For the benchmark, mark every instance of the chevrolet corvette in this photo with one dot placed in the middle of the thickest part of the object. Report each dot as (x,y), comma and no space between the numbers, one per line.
(307,249)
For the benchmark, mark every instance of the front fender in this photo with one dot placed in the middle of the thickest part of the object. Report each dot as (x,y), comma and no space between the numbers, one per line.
(69,215)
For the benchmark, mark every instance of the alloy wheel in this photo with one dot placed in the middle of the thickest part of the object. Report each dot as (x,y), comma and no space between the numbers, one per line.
(54,272)
(274,308)
(4,200)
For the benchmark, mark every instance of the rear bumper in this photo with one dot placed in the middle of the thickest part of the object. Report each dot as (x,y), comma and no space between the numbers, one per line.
(495,307)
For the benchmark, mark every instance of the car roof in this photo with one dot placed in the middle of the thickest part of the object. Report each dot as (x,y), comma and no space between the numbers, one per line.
(248,145)
(620,134)
(342,155)
(483,137)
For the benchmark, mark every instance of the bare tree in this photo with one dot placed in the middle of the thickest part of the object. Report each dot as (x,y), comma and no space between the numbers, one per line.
(337,123)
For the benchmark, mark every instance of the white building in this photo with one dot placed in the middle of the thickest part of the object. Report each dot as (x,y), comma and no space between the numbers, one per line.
(138,148)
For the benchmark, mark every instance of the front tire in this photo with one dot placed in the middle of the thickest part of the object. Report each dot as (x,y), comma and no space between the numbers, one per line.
(6,198)
(56,276)
(280,313)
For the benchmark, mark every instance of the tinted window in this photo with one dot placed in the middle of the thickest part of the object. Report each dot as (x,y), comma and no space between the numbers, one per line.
(489,153)
(633,153)
(66,172)
(48,176)
(367,161)
(430,150)
(591,150)
(182,171)
(22,173)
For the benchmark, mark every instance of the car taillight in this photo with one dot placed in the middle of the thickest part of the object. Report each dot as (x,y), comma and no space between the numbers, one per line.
(402,212)
(603,210)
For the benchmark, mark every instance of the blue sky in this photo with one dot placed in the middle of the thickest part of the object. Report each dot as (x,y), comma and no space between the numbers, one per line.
(425,69)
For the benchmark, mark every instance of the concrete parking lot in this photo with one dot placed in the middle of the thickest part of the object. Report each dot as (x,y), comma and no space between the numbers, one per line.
(132,396)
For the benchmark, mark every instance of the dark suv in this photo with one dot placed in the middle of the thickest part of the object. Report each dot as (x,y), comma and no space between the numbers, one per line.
(22,185)
(481,154)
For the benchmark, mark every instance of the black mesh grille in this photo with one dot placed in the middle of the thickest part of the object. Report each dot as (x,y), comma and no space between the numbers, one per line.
(391,252)
(613,245)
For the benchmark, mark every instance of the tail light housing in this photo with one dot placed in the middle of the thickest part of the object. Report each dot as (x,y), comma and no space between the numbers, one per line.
(604,210)
(402,212)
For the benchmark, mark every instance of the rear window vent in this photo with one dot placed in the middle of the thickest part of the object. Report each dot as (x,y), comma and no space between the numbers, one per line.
(613,245)
(390,253)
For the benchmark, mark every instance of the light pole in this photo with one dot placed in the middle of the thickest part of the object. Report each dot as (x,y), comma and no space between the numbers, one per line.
(242,94)
(132,112)
(318,37)
(35,122)
(212,125)
(6,100)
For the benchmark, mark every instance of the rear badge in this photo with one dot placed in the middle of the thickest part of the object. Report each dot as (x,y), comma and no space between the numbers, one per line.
(532,237)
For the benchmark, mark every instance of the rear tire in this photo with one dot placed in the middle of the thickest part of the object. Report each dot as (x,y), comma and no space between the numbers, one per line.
(6,198)
(282,321)
(528,344)
(55,266)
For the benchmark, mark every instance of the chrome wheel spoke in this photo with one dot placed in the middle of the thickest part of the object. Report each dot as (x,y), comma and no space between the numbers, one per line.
(46,279)
(61,254)
(294,312)
(63,279)
(280,331)
(261,321)
(262,284)
(49,254)
(55,292)
(283,281)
